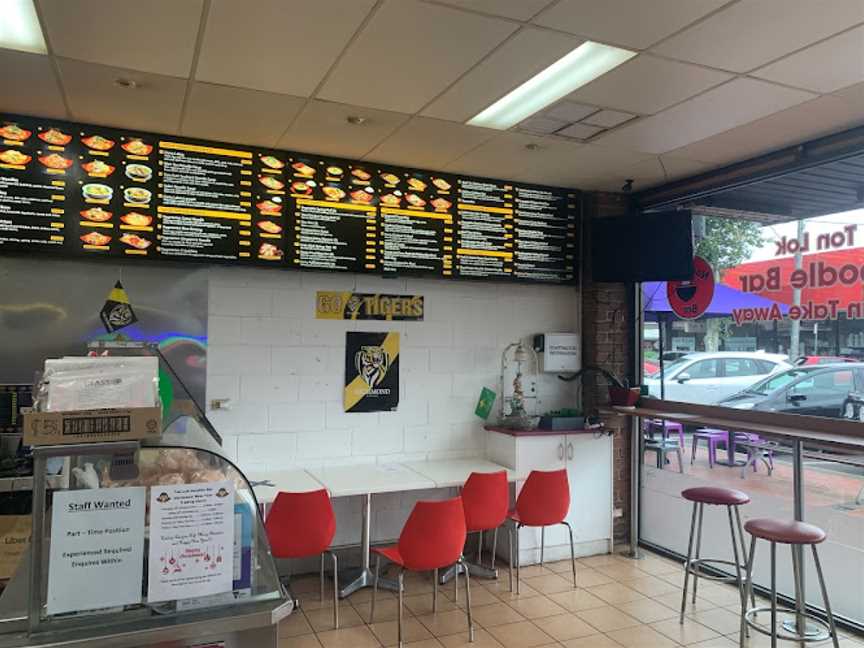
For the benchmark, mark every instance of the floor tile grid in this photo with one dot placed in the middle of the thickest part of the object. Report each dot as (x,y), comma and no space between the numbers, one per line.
(619,603)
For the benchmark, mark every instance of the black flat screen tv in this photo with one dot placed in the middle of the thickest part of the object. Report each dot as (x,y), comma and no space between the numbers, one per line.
(650,246)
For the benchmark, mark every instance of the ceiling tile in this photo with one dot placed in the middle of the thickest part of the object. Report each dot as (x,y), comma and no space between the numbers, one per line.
(651,172)
(580,131)
(608,118)
(568,111)
(157,36)
(732,104)
(751,33)
(853,94)
(238,115)
(805,121)
(627,23)
(284,46)
(395,64)
(323,127)
(36,90)
(826,67)
(542,125)
(528,52)
(647,85)
(93,97)
(515,9)
(503,156)
(429,143)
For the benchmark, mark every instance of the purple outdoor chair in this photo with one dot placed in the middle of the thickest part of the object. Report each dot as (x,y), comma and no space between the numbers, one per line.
(757,450)
(712,438)
(653,426)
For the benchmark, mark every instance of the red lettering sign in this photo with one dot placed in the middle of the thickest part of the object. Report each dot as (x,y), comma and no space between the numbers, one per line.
(689,299)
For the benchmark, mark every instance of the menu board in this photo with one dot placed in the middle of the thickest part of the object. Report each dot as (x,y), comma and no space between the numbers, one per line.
(91,191)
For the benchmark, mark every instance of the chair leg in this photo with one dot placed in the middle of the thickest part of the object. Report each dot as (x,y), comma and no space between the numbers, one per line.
(680,459)
(518,527)
(510,554)
(824,590)
(746,556)
(773,595)
(456,585)
(542,543)
(335,591)
(687,563)
(321,575)
(435,591)
(712,452)
(374,588)
(401,595)
(698,552)
(572,552)
(693,447)
(480,548)
(468,600)
(494,549)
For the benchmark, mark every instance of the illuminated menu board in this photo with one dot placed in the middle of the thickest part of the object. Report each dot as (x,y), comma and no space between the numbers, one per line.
(90,191)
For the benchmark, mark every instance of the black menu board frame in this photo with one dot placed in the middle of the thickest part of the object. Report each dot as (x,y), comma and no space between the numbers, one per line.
(80,190)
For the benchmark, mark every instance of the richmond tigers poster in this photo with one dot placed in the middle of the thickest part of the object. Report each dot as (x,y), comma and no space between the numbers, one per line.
(371,372)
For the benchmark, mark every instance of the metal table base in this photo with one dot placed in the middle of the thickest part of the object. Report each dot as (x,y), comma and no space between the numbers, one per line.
(357,579)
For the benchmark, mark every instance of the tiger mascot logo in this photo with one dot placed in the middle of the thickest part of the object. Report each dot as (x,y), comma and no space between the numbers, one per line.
(372,363)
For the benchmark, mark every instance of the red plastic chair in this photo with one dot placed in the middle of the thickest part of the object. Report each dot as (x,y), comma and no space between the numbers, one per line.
(301,525)
(543,501)
(432,539)
(486,498)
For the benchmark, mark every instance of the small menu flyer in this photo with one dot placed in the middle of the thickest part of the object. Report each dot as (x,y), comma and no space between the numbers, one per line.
(486,229)
(334,223)
(191,541)
(545,234)
(416,220)
(34,171)
(97,549)
(205,201)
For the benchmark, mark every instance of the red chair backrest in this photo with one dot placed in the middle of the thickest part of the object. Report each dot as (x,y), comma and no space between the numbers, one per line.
(486,498)
(434,535)
(544,499)
(300,524)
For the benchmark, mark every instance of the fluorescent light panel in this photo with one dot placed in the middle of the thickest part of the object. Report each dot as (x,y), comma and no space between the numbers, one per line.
(19,27)
(582,65)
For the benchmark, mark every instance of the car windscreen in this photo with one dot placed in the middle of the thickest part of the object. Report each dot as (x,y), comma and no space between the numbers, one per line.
(765,387)
(669,368)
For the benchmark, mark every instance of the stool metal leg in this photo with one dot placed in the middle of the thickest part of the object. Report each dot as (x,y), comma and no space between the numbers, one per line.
(494,550)
(335,589)
(480,548)
(693,450)
(745,628)
(468,601)
(689,558)
(737,559)
(321,575)
(435,591)
(510,553)
(824,590)
(375,588)
(773,595)
(698,551)
(800,620)
(746,556)
(518,561)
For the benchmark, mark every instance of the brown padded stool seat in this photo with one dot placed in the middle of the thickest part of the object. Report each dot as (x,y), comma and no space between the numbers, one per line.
(785,531)
(716,495)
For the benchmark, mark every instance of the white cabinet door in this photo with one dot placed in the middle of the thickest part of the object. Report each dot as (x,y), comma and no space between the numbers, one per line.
(538,453)
(589,471)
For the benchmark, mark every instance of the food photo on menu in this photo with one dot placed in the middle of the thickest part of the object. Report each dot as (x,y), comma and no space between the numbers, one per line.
(271,188)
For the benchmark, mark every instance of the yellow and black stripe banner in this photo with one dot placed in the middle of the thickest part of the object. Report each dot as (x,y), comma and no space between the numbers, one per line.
(371,372)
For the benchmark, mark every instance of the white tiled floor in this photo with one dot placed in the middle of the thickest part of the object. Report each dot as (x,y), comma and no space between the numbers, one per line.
(619,602)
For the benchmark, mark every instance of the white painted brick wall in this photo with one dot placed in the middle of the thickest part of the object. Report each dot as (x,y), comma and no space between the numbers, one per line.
(283,372)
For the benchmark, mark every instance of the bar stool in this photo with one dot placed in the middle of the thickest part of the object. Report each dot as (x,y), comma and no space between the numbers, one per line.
(714,496)
(796,534)
(543,501)
(301,525)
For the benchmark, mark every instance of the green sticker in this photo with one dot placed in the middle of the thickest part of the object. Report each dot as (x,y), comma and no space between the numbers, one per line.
(484,404)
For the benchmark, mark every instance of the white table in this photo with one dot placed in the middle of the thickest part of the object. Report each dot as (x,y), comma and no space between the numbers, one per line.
(455,472)
(267,484)
(366,480)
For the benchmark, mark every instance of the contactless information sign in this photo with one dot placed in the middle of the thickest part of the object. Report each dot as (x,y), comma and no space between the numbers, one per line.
(93,191)
(689,299)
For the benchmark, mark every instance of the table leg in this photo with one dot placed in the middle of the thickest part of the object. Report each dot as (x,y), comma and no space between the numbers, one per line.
(730,451)
(352,580)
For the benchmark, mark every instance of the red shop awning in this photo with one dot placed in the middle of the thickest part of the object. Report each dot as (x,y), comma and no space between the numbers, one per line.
(821,268)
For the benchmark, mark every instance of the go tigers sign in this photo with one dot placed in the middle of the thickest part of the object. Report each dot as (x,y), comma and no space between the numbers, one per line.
(330,304)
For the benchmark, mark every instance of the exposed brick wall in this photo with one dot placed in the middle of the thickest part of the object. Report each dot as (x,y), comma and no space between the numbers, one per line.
(605,344)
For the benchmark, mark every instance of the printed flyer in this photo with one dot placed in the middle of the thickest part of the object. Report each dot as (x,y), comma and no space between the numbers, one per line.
(191,541)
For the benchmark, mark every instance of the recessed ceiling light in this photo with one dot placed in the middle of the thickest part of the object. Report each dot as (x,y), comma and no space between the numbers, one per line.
(355,120)
(582,65)
(531,146)
(20,29)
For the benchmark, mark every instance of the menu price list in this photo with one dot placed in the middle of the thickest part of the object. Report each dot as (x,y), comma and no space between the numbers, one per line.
(417,223)
(335,225)
(545,234)
(486,229)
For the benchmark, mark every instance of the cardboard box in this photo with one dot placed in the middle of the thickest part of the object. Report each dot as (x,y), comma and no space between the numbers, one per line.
(14,540)
(92,426)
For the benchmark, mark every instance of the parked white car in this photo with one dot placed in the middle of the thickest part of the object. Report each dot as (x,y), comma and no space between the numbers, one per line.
(708,378)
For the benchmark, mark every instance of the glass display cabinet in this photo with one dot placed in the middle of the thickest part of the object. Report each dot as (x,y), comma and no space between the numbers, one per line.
(154,584)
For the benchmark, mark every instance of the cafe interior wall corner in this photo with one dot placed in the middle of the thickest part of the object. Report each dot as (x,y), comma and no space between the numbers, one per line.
(283,372)
(605,343)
